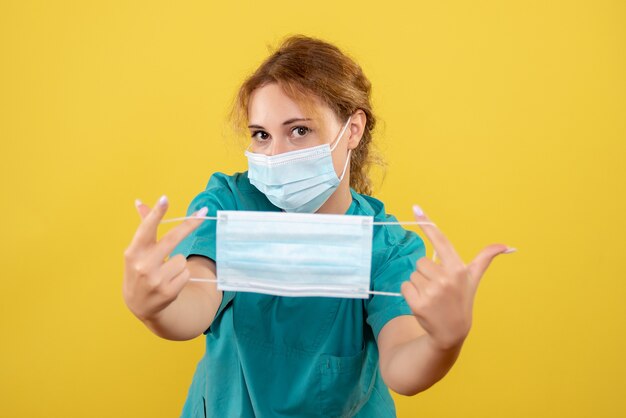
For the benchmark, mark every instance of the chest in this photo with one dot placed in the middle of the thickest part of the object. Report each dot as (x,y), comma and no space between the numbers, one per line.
(307,324)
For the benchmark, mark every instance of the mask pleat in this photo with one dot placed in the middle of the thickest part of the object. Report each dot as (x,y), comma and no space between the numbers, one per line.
(294,254)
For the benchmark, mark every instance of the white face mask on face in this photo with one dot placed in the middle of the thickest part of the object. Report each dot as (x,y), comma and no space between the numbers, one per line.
(297,181)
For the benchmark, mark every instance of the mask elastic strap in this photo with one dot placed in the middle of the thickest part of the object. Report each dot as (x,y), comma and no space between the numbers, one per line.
(345,165)
(341,134)
(214,218)
(371,292)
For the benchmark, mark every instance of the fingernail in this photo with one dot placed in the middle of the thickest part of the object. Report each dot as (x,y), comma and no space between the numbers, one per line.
(509,250)
(417,210)
(163,200)
(202,212)
(137,202)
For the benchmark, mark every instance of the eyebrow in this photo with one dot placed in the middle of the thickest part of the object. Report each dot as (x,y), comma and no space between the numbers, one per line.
(287,122)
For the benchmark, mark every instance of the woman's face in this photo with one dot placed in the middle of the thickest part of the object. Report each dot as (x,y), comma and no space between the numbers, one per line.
(278,125)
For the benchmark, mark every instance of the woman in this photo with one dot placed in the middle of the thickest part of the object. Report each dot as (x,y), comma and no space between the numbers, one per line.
(273,356)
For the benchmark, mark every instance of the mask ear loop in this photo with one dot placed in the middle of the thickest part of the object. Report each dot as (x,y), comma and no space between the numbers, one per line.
(340,134)
(214,218)
(217,281)
(345,166)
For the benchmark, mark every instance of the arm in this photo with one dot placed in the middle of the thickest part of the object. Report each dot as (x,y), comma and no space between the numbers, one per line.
(192,312)
(409,363)
(158,291)
(417,351)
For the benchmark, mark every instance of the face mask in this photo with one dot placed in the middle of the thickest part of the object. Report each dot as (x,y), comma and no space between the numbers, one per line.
(297,181)
(291,254)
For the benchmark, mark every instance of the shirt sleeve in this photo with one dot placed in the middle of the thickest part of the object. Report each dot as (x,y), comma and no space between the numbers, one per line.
(398,263)
(201,241)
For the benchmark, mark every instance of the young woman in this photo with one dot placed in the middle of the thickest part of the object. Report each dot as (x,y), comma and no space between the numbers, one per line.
(275,356)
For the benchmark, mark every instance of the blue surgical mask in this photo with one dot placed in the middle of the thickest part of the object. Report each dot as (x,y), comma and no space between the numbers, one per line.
(297,181)
(295,254)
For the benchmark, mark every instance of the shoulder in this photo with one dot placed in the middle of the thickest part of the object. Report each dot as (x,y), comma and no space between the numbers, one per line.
(231,192)
(234,182)
(387,234)
(390,242)
(219,192)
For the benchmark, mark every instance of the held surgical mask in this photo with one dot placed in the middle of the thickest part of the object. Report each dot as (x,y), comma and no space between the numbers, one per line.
(293,254)
(297,181)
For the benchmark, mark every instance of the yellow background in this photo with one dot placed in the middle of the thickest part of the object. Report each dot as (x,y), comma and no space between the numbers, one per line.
(505,121)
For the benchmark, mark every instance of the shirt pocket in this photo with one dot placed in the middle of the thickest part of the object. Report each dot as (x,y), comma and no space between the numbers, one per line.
(347,382)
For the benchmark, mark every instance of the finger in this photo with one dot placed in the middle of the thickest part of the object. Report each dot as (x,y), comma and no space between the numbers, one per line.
(142,208)
(176,235)
(178,283)
(445,251)
(420,282)
(173,267)
(147,231)
(428,268)
(478,266)
(411,295)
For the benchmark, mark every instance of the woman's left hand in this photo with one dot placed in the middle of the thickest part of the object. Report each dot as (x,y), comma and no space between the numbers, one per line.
(441,296)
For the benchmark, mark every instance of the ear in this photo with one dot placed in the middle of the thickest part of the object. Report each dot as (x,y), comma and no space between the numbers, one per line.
(356,128)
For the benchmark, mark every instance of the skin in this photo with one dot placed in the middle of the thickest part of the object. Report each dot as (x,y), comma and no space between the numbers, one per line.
(415,350)
(270,107)
(159,292)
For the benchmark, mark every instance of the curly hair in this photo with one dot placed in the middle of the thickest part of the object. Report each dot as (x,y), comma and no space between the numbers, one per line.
(308,70)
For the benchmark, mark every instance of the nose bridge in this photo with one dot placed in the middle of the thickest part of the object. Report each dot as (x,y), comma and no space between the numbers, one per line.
(278,146)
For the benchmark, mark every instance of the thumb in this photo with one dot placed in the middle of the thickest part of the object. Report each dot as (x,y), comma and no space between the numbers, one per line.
(478,266)
(142,208)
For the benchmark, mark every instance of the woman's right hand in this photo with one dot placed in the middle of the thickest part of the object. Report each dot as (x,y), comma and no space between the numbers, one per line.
(150,282)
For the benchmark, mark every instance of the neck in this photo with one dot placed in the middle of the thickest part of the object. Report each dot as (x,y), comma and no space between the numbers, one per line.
(339,202)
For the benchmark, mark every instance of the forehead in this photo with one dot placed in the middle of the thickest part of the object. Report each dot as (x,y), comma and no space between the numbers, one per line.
(270,104)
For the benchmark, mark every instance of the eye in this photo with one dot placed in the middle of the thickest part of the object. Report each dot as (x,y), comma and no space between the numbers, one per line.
(262,138)
(301,130)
